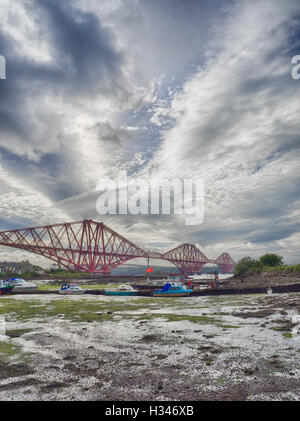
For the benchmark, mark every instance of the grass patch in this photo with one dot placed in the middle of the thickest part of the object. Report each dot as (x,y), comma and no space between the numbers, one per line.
(16,333)
(8,350)
(228,326)
(72,309)
(14,370)
(83,310)
(169,317)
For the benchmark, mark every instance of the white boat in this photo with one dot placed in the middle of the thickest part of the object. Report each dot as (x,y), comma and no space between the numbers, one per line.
(20,285)
(121,290)
(152,284)
(71,289)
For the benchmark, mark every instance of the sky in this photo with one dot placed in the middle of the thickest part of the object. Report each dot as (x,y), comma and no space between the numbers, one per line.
(159,88)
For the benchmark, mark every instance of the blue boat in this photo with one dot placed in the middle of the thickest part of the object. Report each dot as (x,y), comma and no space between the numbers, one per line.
(175,289)
(20,285)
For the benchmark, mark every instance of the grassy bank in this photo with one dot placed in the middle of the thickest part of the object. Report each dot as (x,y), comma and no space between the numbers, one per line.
(267,276)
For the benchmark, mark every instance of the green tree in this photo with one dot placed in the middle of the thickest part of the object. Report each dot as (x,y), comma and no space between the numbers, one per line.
(244,265)
(271,259)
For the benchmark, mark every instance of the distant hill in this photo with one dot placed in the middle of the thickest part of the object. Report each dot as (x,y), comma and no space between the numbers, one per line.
(141,270)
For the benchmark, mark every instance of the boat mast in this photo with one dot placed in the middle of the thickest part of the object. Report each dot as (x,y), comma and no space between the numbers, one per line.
(148,263)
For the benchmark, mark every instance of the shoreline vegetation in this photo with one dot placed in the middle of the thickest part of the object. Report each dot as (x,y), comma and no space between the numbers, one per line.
(266,271)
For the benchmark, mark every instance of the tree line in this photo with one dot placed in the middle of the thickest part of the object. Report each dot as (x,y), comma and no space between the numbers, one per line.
(247,264)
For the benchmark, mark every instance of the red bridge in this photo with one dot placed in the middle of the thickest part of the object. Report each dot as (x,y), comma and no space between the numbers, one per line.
(93,247)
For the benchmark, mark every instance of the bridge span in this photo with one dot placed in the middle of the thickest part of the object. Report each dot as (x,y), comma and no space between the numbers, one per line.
(93,247)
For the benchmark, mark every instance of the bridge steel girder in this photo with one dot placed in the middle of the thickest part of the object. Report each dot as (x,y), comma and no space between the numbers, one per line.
(225,262)
(93,247)
(187,257)
(84,245)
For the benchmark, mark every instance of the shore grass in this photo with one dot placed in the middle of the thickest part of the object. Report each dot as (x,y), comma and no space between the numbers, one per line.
(7,350)
(83,310)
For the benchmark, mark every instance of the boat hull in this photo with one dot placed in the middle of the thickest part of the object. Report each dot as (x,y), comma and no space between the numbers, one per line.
(24,289)
(6,290)
(145,287)
(71,292)
(171,294)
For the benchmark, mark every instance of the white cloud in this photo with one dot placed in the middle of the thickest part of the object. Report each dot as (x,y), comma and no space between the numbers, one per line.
(215,82)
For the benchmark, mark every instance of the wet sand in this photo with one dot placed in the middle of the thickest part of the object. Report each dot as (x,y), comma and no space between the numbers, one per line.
(241,347)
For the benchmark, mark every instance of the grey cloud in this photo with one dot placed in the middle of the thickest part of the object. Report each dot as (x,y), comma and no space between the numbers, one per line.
(274,232)
(85,63)
(82,47)
(243,132)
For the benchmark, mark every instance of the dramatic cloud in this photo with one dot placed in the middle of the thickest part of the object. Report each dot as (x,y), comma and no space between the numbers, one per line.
(160,89)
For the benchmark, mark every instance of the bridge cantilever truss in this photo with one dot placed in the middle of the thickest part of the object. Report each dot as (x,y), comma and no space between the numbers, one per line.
(93,247)
(187,257)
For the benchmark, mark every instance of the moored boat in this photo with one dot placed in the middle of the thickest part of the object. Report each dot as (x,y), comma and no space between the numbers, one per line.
(5,288)
(149,284)
(71,289)
(20,285)
(153,284)
(175,289)
(121,290)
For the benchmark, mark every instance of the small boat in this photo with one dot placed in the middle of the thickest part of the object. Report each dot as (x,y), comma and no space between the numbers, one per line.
(5,288)
(20,285)
(153,284)
(71,289)
(175,289)
(199,287)
(121,290)
(149,284)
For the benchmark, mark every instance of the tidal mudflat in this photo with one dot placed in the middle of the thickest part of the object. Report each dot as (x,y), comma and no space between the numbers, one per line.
(88,347)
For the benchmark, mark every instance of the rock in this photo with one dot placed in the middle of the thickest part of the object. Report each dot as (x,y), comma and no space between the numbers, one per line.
(251,370)
(150,337)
